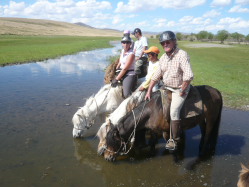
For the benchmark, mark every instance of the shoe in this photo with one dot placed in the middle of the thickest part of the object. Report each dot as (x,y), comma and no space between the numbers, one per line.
(171,145)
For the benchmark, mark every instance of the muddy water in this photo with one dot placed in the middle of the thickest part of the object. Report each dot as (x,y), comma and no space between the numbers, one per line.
(37,102)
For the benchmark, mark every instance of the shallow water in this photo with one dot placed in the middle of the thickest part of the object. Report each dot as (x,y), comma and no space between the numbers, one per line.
(37,102)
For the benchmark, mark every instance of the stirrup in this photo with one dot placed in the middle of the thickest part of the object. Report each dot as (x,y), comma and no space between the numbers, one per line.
(170,148)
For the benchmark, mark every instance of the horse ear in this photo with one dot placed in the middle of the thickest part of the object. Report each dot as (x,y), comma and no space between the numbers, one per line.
(110,124)
(244,168)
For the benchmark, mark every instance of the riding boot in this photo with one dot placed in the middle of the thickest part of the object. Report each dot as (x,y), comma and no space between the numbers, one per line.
(175,127)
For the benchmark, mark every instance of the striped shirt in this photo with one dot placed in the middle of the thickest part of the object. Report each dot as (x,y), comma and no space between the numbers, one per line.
(174,69)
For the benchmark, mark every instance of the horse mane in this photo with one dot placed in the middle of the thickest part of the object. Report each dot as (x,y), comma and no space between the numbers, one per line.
(243,177)
(110,72)
(132,105)
(137,110)
(91,98)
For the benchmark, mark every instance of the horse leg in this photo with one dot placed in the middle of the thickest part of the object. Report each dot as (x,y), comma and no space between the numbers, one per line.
(153,141)
(140,139)
(215,133)
(203,141)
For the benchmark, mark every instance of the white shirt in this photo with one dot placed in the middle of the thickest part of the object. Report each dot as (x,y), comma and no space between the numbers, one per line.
(123,59)
(139,45)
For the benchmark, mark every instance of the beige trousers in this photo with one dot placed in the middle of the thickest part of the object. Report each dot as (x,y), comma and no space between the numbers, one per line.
(177,102)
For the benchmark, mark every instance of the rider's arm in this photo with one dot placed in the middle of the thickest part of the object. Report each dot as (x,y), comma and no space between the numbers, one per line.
(128,63)
(152,84)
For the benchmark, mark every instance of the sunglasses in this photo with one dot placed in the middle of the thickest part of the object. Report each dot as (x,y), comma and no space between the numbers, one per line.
(165,42)
(125,42)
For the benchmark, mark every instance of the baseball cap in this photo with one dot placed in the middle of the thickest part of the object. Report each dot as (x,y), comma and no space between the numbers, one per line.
(152,49)
(136,30)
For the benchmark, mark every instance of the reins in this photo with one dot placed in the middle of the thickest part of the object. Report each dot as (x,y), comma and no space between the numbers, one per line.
(131,138)
(90,124)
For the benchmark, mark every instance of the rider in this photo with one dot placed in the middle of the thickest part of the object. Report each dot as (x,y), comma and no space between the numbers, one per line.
(126,63)
(152,53)
(175,69)
(139,47)
(127,33)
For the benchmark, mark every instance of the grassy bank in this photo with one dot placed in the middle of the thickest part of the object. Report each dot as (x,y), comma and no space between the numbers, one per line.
(223,68)
(20,49)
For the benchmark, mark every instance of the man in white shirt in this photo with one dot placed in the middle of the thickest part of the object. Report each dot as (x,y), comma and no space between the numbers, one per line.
(139,47)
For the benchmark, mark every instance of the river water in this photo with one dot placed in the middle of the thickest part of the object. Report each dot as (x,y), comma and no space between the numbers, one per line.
(37,102)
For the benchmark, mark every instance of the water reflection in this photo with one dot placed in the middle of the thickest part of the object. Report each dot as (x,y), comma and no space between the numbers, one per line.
(75,64)
(38,148)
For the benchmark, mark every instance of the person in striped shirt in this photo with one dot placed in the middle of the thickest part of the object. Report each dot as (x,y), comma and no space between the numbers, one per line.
(176,73)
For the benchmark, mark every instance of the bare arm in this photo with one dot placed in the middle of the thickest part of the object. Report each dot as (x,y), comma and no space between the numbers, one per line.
(128,63)
(148,94)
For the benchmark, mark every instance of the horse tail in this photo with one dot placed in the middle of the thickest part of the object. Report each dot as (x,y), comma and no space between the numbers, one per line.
(215,130)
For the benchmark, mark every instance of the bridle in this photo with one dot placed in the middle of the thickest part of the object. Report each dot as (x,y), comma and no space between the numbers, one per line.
(131,139)
(88,125)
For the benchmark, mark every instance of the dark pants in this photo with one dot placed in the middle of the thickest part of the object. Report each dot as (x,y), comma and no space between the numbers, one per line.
(129,85)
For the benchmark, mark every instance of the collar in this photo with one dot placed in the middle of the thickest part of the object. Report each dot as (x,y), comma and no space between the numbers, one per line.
(172,53)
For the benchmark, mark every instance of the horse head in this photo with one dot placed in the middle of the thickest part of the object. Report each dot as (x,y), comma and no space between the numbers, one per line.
(81,123)
(113,144)
(105,101)
(243,177)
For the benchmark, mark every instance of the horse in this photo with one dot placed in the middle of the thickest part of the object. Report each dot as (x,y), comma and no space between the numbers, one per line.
(243,177)
(150,115)
(105,101)
(127,105)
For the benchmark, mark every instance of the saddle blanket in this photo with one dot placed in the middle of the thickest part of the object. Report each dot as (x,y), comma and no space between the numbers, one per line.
(192,105)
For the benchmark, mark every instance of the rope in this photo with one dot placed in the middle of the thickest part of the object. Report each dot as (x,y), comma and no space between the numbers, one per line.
(131,139)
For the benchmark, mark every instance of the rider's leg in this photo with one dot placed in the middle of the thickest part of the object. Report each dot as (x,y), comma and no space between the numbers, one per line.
(175,108)
(129,85)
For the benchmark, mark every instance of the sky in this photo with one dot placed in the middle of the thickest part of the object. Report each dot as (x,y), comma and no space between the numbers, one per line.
(186,16)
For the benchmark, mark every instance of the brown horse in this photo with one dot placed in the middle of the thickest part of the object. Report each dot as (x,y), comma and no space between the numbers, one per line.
(243,177)
(149,115)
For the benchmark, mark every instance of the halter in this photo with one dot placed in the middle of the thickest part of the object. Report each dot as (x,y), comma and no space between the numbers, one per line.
(86,126)
(131,138)
(92,122)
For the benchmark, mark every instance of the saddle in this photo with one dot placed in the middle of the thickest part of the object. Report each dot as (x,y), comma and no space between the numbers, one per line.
(191,107)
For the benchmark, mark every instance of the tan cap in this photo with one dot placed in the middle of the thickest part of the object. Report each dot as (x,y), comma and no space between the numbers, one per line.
(152,49)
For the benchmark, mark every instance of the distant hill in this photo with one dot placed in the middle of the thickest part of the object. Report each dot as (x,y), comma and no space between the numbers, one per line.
(24,26)
(84,25)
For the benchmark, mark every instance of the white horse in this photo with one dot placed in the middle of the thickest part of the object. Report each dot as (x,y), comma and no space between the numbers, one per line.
(127,105)
(105,101)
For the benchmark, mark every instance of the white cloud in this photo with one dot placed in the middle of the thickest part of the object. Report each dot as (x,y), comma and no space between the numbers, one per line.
(221,2)
(160,22)
(211,14)
(117,19)
(234,23)
(143,5)
(228,20)
(13,9)
(242,2)
(242,24)
(186,19)
(60,10)
(238,9)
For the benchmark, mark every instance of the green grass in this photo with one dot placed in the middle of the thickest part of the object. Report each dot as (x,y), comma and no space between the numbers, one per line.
(20,49)
(223,68)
